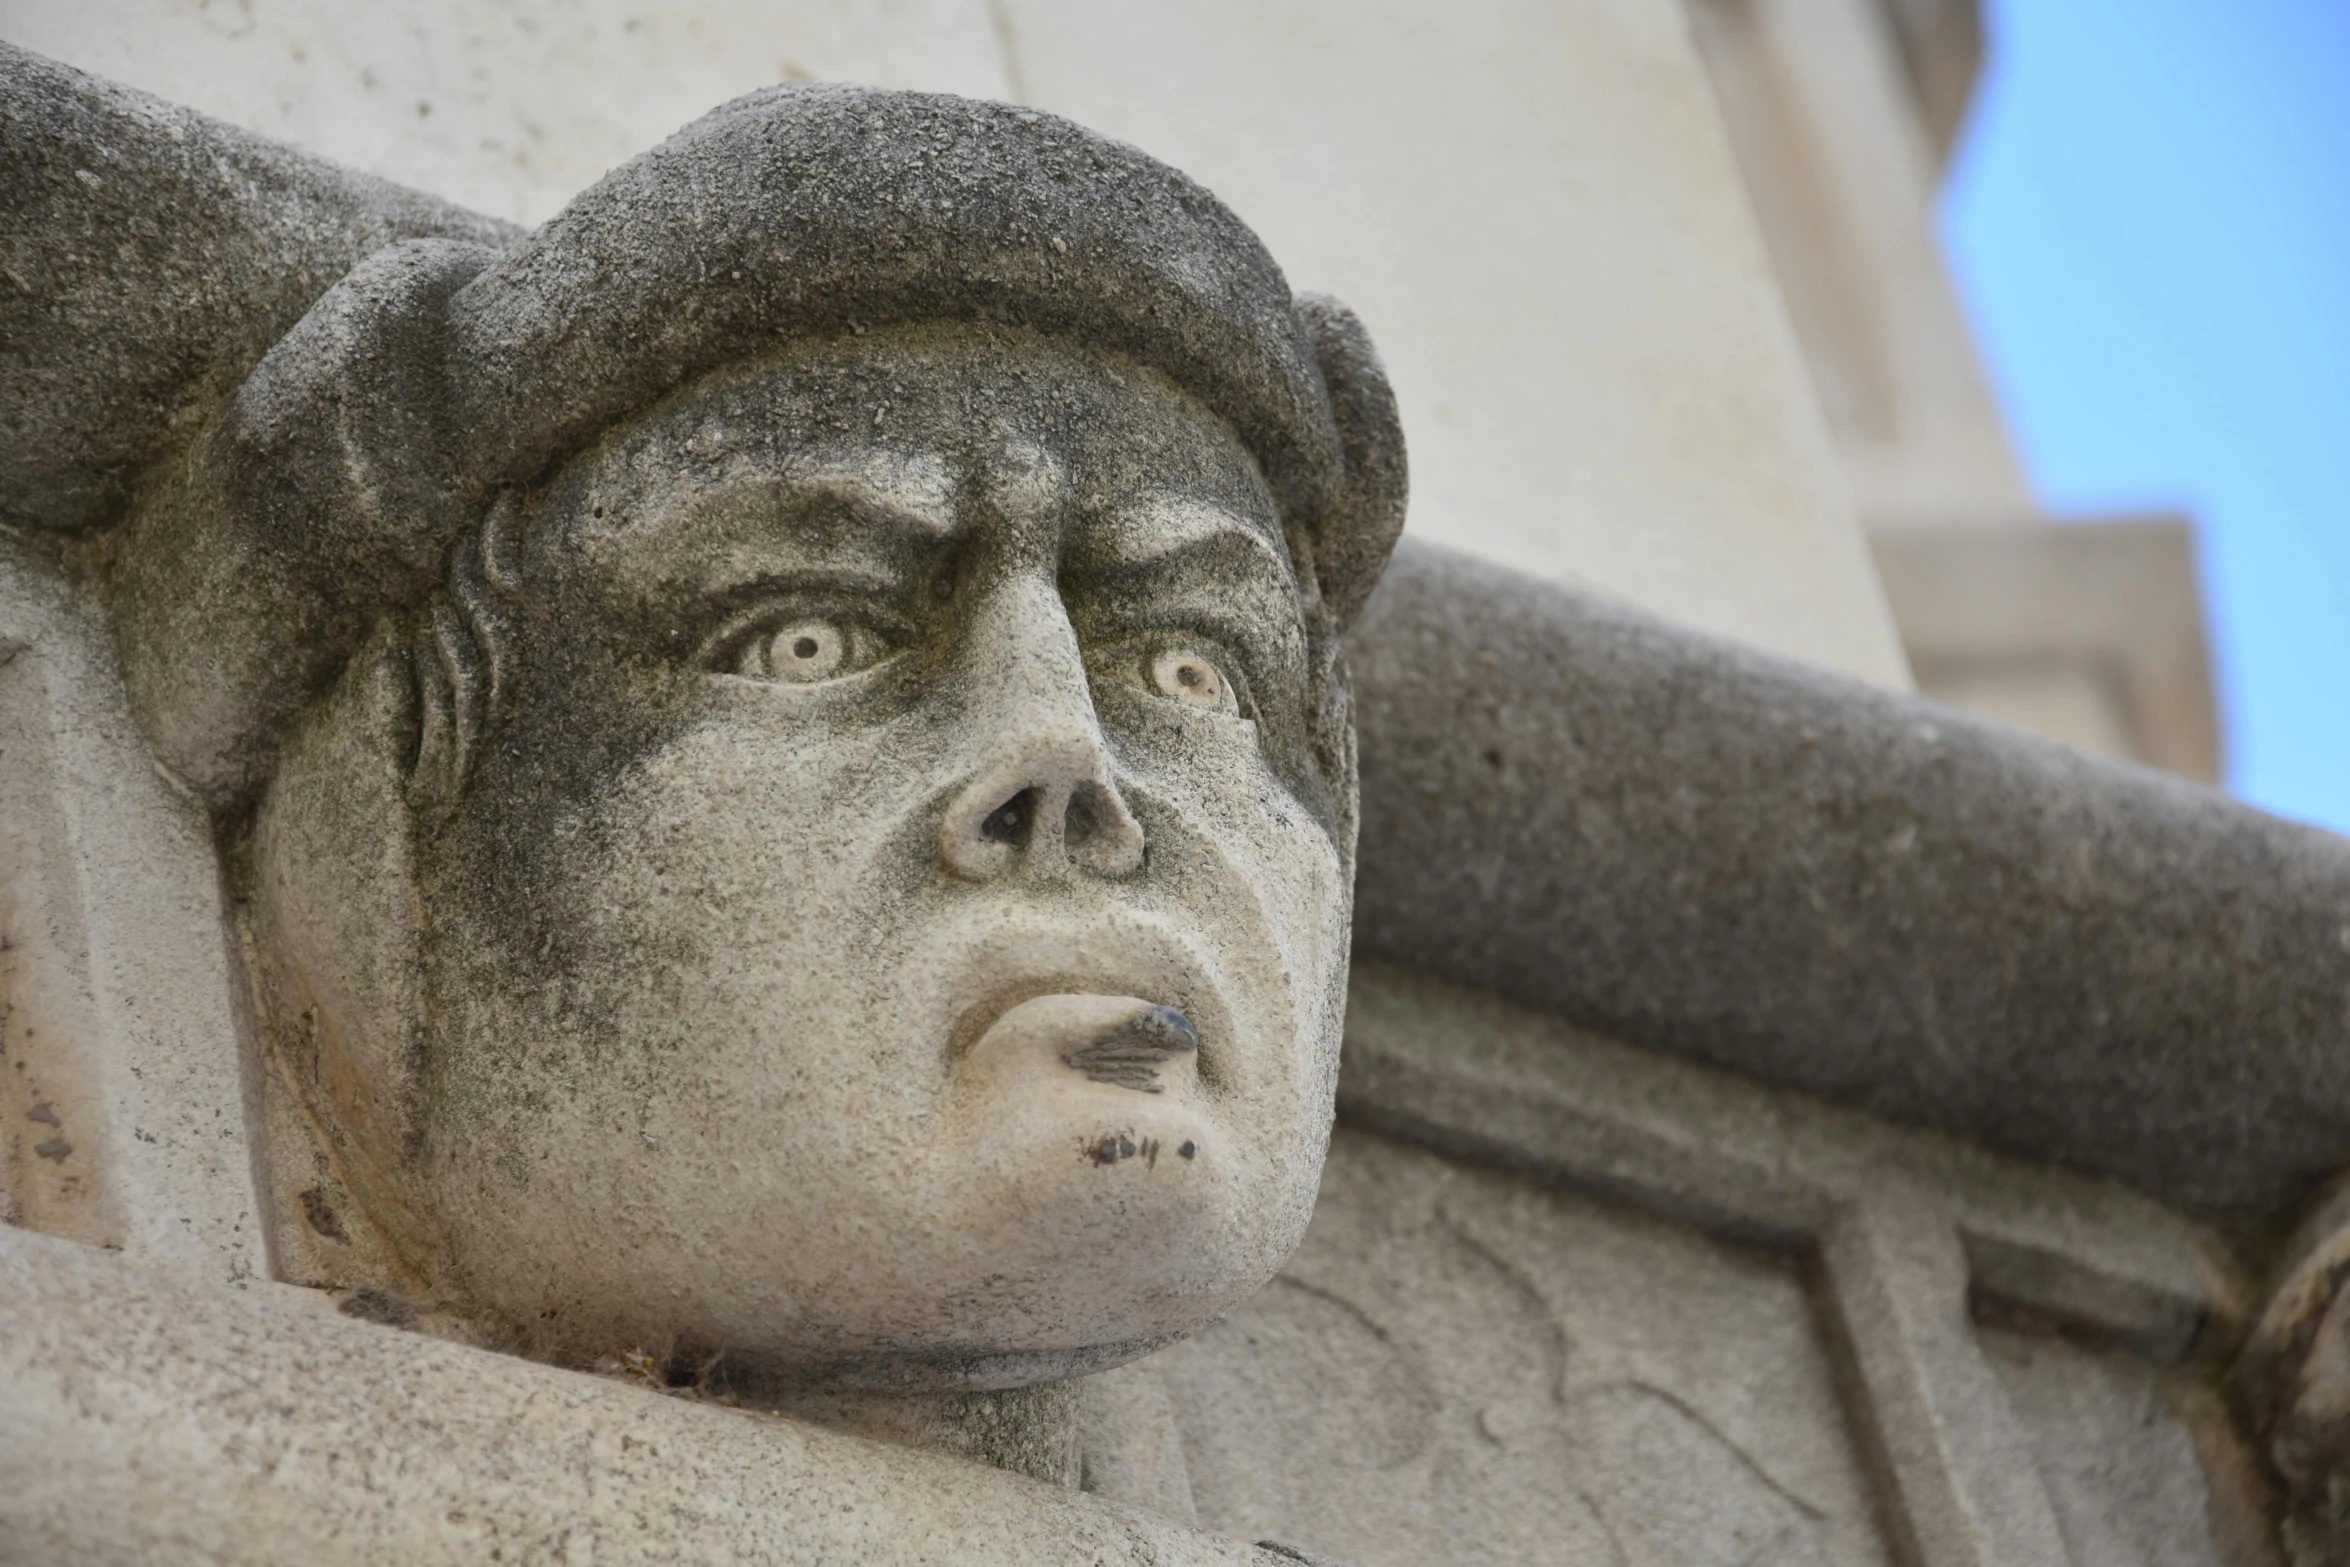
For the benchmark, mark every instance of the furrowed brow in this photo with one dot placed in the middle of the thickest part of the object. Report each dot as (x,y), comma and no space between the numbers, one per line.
(870,514)
(1164,530)
(910,496)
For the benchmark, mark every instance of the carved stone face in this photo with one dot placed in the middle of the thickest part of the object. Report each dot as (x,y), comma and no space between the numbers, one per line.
(895,928)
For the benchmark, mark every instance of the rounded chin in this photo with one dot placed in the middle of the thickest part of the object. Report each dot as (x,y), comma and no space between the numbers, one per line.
(1116,1268)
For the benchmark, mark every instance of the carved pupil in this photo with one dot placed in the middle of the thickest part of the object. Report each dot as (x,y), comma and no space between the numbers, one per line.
(1192,680)
(803,651)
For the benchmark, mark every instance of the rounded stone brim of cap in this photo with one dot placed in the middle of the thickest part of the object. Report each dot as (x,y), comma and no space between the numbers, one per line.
(330,488)
(811,210)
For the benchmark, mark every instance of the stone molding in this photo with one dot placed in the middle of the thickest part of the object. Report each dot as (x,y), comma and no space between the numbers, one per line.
(2110,605)
(1908,1235)
(1702,849)
(127,1114)
(2292,1383)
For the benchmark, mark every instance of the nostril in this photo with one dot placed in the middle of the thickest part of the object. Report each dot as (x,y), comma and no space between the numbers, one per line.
(1055,814)
(1084,817)
(1009,822)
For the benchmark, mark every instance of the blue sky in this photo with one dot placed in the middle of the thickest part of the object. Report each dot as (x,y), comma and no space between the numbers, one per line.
(2149,218)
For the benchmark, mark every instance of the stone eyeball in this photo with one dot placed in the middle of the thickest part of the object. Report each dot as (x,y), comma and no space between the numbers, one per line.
(1192,678)
(803,649)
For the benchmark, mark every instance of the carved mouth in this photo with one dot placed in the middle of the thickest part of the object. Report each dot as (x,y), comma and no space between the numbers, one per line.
(1122,1004)
(1131,1053)
(1124,1043)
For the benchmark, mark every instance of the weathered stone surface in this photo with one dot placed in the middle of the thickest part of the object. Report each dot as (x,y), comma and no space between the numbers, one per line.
(809,858)
(1703,849)
(1491,1083)
(122,1110)
(145,1418)
(515,115)
(1536,208)
(2291,1385)
(1458,1367)
(720,714)
(1902,1233)
(692,933)
(2118,1451)
(151,257)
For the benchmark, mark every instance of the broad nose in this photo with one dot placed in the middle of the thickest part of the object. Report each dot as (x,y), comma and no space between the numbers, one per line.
(1043,796)
(1049,802)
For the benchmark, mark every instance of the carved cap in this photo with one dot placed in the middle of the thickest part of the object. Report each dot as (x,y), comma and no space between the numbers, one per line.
(375,432)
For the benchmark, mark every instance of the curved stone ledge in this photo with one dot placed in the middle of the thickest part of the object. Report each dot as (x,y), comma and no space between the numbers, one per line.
(1700,848)
(153,1418)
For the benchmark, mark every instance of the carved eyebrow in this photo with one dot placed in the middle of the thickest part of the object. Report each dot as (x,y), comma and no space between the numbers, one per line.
(912,494)
(897,503)
(1159,528)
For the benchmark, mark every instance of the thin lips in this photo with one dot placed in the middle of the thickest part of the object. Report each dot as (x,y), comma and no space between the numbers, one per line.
(1120,958)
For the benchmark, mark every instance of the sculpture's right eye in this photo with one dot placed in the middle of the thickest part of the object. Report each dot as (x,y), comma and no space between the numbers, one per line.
(803,650)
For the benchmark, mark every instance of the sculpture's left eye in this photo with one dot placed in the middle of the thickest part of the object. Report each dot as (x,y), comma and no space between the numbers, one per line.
(805,649)
(1193,679)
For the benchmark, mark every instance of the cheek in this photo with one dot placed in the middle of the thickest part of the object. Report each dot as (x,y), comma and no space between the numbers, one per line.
(706,950)
(1237,852)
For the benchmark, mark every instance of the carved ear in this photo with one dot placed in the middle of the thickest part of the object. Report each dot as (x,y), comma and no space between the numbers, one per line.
(1357,533)
(322,495)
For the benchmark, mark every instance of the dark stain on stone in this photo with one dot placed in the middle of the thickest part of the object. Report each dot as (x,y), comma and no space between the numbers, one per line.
(56,1149)
(1188,1149)
(376,1305)
(321,1214)
(1113,1148)
(1288,1553)
(1130,1055)
(44,1114)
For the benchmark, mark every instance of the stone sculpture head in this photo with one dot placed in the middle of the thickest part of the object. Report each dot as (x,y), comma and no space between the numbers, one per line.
(786,747)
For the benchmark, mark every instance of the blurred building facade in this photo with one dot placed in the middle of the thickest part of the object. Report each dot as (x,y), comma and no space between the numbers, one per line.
(1843,114)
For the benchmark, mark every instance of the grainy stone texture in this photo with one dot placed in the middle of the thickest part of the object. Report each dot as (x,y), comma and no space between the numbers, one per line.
(1537,209)
(514,111)
(2123,1474)
(1534,205)
(1458,1367)
(1703,849)
(153,257)
(719,712)
(856,741)
(2292,1383)
(150,1419)
(122,1103)
(1904,1235)
(786,787)
(371,438)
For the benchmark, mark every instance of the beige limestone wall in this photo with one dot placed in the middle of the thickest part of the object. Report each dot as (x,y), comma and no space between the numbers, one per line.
(2091,633)
(1840,111)
(506,106)
(1841,167)
(1535,207)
